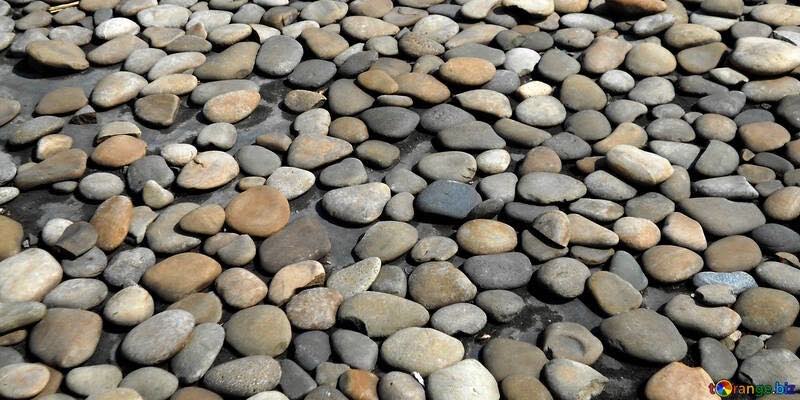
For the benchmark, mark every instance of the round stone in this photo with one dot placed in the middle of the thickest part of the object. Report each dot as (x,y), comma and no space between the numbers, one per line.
(421,350)
(245,331)
(158,338)
(259,211)
(208,170)
(483,236)
(766,310)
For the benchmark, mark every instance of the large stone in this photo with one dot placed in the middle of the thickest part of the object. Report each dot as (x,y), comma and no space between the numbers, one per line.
(303,239)
(359,204)
(646,335)
(465,380)
(65,337)
(208,170)
(722,217)
(244,377)
(28,276)
(763,56)
(422,350)
(181,275)
(57,54)
(259,211)
(639,166)
(159,337)
(259,330)
(62,166)
(381,314)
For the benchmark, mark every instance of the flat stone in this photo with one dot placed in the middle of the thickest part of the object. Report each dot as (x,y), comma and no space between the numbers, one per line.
(29,275)
(571,379)
(766,310)
(180,275)
(723,217)
(259,211)
(23,380)
(438,283)
(644,334)
(65,337)
(245,376)
(465,380)
(62,166)
(58,54)
(749,55)
(245,331)
(421,350)
(208,170)
(359,204)
(679,378)
(231,107)
(547,188)
(371,309)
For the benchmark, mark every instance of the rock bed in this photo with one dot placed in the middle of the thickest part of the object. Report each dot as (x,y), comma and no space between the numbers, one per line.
(518,199)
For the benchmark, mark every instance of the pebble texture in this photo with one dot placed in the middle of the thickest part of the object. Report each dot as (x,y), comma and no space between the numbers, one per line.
(385,199)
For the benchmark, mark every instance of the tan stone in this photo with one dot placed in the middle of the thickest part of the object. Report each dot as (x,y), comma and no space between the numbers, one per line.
(637,7)
(626,133)
(358,384)
(684,231)
(679,381)
(11,231)
(378,81)
(181,275)
(422,87)
(540,159)
(485,236)
(295,276)
(733,253)
(119,151)
(783,204)
(671,264)
(764,136)
(637,233)
(205,220)
(470,71)
(52,144)
(259,211)
(231,107)
(111,221)
(208,170)
(66,337)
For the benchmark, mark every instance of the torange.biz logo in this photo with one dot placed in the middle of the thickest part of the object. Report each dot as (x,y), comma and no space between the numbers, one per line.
(725,388)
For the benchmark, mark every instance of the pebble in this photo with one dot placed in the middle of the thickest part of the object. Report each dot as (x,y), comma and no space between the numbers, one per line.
(180,275)
(421,350)
(481,236)
(465,380)
(679,378)
(563,276)
(781,306)
(65,337)
(259,211)
(438,283)
(244,376)
(93,379)
(571,341)
(158,338)
(625,332)
(29,275)
(610,136)
(360,204)
(23,380)
(571,379)
(129,307)
(355,349)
